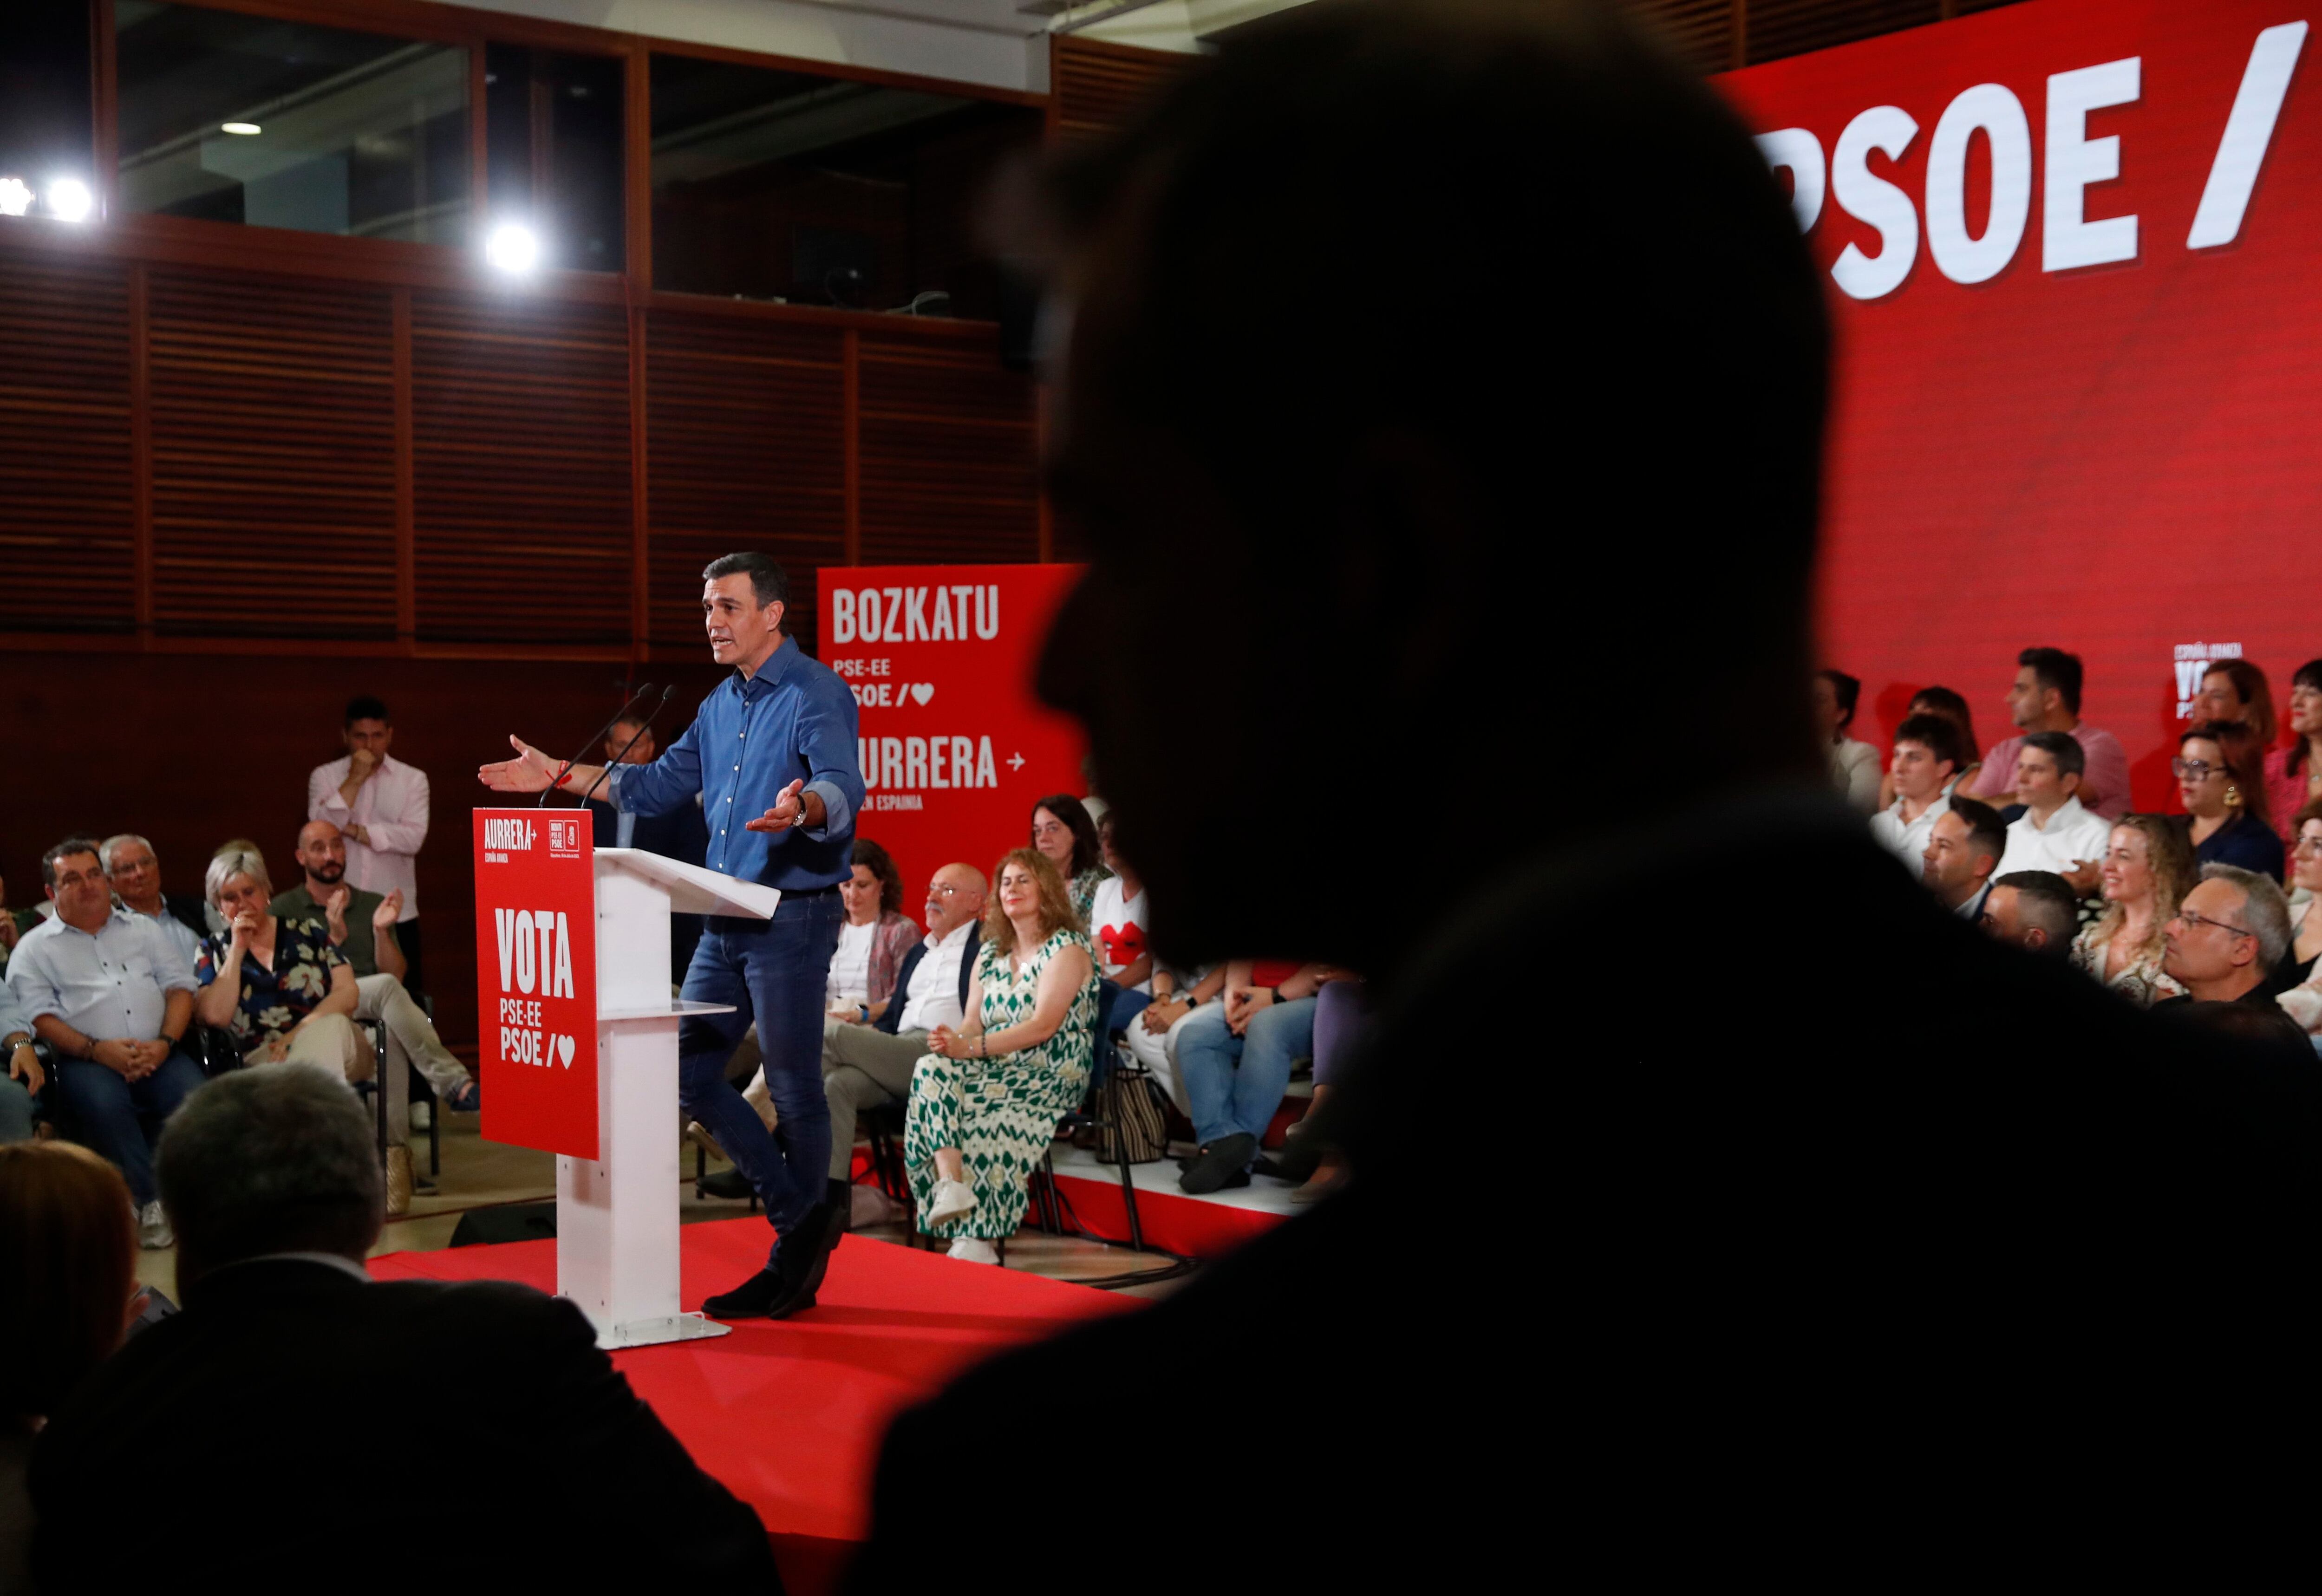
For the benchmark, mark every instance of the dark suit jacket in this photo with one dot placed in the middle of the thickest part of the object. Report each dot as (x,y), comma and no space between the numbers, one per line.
(1896,1246)
(680,834)
(888,1021)
(187,912)
(298,1430)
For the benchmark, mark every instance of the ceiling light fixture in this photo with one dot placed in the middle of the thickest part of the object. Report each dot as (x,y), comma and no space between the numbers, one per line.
(512,248)
(16,196)
(70,199)
(248,130)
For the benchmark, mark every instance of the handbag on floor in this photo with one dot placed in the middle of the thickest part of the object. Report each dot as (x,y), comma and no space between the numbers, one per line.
(1135,1123)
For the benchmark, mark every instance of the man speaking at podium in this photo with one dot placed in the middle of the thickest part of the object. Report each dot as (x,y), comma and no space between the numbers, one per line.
(773,757)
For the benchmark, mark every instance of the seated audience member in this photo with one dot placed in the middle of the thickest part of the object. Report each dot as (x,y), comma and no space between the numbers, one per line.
(867,1063)
(1177,996)
(2055,833)
(363,926)
(22,1077)
(276,987)
(134,873)
(2148,869)
(1063,833)
(1117,931)
(1853,765)
(1925,769)
(2306,876)
(986,1096)
(2236,691)
(2228,936)
(2045,697)
(67,1260)
(104,988)
(1311,1152)
(873,943)
(2220,774)
(681,835)
(1944,705)
(275,1372)
(8,928)
(2293,780)
(1963,849)
(1236,1057)
(2251,1025)
(2036,910)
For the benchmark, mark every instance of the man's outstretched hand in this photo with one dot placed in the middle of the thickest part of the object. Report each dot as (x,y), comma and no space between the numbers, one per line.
(789,810)
(530,772)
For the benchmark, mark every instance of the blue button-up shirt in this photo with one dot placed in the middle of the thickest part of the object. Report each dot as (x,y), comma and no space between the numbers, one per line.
(793,721)
(112,985)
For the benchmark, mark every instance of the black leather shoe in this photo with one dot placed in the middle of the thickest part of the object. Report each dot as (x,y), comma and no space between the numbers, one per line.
(732,1185)
(754,1298)
(1226,1164)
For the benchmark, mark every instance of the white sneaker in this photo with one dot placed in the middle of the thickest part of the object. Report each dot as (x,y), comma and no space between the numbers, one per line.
(153,1228)
(969,1250)
(951,1199)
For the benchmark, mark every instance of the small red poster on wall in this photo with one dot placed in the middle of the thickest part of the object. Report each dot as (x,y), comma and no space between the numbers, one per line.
(956,748)
(536,977)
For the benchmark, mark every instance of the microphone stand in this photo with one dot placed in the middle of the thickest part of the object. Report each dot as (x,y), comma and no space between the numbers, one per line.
(595,738)
(606,774)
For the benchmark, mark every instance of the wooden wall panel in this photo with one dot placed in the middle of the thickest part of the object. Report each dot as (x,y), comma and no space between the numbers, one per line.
(1095,85)
(273,429)
(949,453)
(745,440)
(1716,35)
(68,536)
(520,459)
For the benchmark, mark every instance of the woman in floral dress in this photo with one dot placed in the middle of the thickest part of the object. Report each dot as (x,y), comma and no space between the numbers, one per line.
(985,1100)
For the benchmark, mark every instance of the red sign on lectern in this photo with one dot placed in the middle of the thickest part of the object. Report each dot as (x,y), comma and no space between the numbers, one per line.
(536,977)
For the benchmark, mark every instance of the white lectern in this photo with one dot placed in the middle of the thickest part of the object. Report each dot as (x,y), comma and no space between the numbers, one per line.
(616,1214)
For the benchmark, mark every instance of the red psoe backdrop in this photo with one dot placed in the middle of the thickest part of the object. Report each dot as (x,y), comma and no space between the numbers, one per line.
(2097,438)
(536,977)
(956,748)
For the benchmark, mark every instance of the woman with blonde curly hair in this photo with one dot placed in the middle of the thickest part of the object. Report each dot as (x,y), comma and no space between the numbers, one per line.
(2148,869)
(985,1100)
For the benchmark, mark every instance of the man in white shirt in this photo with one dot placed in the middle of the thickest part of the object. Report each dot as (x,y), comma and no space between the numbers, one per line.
(2055,833)
(864,1065)
(1925,768)
(1963,848)
(380,805)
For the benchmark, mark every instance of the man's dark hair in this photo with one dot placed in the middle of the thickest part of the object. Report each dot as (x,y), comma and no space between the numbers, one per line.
(768,582)
(2045,899)
(269,1161)
(2072,759)
(1987,832)
(2053,668)
(1847,689)
(1935,734)
(363,706)
(70,845)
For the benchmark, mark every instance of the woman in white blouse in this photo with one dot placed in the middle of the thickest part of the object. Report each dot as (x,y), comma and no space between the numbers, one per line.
(874,941)
(1853,765)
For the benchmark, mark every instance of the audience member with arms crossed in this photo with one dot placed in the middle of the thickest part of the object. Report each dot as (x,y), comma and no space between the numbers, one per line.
(105,988)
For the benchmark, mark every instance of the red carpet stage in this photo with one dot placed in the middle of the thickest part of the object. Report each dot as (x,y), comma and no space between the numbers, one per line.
(789,1415)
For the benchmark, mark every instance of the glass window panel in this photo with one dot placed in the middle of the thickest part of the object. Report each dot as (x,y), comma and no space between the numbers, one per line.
(819,191)
(553,143)
(356,133)
(47,127)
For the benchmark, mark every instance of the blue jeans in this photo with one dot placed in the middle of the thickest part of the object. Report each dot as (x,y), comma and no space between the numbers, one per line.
(1235,1083)
(773,971)
(122,1119)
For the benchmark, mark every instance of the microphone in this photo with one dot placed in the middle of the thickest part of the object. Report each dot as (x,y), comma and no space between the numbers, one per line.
(595,738)
(606,774)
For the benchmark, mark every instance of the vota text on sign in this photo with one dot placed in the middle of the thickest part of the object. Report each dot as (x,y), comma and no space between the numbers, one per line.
(2070,161)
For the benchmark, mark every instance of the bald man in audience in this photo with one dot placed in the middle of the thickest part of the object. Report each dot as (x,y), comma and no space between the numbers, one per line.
(867,1063)
(2229,934)
(362,925)
(2033,909)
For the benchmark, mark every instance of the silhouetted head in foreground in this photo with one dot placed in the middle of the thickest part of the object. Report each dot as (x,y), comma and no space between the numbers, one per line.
(1433,372)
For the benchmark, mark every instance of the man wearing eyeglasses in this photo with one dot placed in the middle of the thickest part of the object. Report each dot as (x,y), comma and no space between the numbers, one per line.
(2228,936)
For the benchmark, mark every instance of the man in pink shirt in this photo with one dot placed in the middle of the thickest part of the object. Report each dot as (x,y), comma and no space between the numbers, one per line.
(2046,697)
(380,805)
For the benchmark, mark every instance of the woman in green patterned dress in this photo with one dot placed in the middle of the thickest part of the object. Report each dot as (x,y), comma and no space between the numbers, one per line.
(985,1100)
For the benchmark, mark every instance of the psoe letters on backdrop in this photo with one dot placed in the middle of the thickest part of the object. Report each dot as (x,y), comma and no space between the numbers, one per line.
(914,615)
